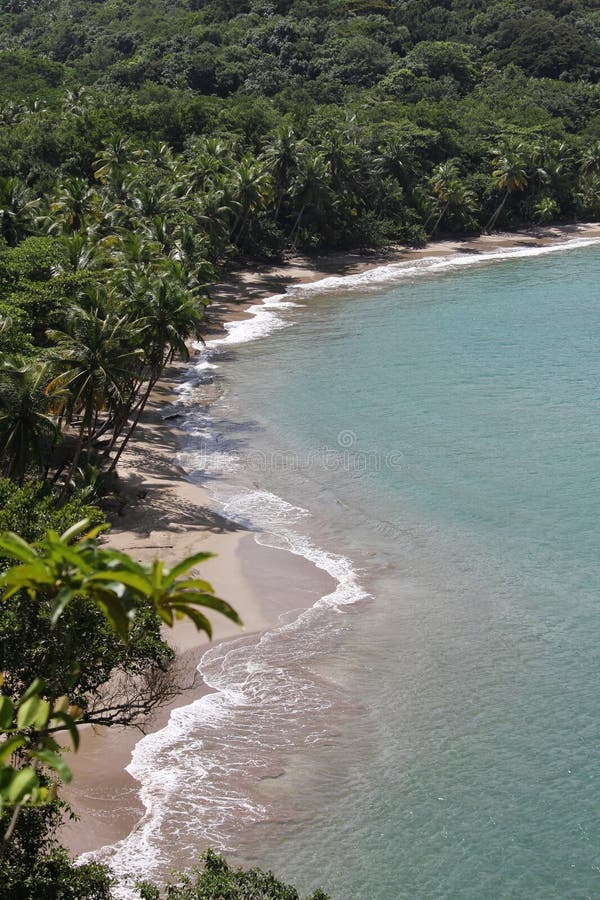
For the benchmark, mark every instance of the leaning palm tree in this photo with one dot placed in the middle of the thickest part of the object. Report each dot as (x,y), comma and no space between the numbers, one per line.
(449,195)
(442,178)
(95,356)
(171,317)
(27,427)
(509,176)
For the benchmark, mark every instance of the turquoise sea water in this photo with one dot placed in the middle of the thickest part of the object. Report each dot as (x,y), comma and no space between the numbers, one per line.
(447,439)
(430,435)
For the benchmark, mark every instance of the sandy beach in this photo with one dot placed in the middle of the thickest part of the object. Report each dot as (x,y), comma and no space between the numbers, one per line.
(169,516)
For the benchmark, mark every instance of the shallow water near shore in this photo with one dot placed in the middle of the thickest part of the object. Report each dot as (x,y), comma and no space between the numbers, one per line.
(430,728)
(445,436)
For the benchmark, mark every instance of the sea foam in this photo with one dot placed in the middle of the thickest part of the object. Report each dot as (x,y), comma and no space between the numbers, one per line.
(266,317)
(201,773)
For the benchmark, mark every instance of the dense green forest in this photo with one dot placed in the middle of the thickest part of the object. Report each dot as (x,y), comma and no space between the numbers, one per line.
(144,146)
(325,123)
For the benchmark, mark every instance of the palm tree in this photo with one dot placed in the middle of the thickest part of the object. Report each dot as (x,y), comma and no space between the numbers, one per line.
(36,106)
(74,102)
(281,155)
(449,193)
(440,182)
(160,155)
(18,210)
(185,248)
(171,316)
(158,230)
(81,253)
(96,355)
(145,200)
(353,169)
(336,152)
(387,199)
(208,157)
(590,160)
(589,187)
(252,188)
(190,282)
(310,190)
(11,113)
(509,175)
(112,161)
(130,249)
(552,167)
(546,209)
(396,159)
(589,195)
(216,211)
(27,428)
(73,205)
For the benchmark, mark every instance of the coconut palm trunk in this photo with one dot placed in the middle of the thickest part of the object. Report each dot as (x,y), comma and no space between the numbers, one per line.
(141,406)
(296,228)
(496,215)
(74,461)
(439,218)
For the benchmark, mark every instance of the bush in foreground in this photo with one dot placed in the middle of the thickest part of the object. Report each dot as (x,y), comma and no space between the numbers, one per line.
(217,881)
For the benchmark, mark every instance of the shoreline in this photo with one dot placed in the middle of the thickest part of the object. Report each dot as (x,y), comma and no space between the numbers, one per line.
(170,515)
(232,296)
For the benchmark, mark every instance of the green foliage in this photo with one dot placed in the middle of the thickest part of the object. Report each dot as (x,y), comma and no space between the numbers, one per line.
(25,75)
(64,573)
(29,750)
(188,136)
(32,260)
(31,510)
(32,865)
(217,881)
(53,876)
(120,587)
(143,147)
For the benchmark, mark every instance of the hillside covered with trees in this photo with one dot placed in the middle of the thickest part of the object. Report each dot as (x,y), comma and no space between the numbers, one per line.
(309,123)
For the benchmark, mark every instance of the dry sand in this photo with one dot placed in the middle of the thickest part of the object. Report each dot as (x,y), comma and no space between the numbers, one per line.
(169,516)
